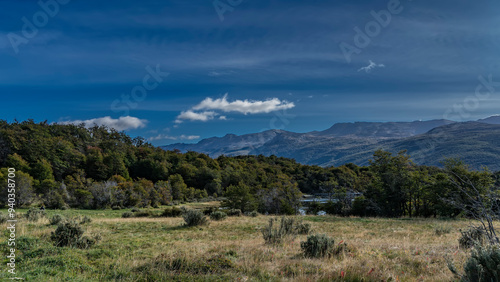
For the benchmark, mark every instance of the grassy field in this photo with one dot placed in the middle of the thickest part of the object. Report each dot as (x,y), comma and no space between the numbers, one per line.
(160,249)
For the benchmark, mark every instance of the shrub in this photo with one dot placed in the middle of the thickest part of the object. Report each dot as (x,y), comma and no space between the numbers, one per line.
(142,214)
(194,218)
(471,237)
(318,246)
(3,218)
(253,214)
(218,215)
(482,265)
(234,212)
(85,220)
(172,212)
(136,209)
(303,228)
(127,214)
(274,234)
(210,210)
(70,234)
(116,208)
(56,219)
(35,214)
(67,234)
(442,230)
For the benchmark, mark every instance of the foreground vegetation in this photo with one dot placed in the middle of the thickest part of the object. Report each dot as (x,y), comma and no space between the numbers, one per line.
(164,249)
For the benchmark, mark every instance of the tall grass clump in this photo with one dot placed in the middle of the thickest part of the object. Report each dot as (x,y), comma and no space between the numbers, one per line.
(35,214)
(279,230)
(194,218)
(318,246)
(218,215)
(56,219)
(70,234)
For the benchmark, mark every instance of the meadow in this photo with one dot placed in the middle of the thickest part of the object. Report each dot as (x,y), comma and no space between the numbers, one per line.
(162,249)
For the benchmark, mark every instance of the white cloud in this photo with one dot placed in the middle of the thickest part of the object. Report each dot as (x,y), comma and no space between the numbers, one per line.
(122,123)
(168,137)
(207,109)
(192,116)
(371,66)
(244,106)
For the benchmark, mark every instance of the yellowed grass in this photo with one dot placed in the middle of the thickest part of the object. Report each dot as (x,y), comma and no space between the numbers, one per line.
(378,249)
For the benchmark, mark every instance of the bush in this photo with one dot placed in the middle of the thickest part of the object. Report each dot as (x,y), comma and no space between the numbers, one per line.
(136,209)
(35,214)
(70,234)
(210,210)
(218,215)
(234,212)
(303,228)
(127,214)
(471,237)
(3,218)
(318,246)
(172,212)
(116,208)
(142,214)
(85,220)
(56,219)
(194,218)
(67,234)
(276,234)
(483,265)
(253,214)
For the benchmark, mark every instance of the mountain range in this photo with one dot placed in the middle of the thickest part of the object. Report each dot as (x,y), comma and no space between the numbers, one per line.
(428,142)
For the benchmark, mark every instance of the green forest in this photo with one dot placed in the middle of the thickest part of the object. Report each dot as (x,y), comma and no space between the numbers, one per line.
(71,166)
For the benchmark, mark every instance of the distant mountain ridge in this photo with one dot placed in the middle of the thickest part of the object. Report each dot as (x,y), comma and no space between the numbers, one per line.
(428,142)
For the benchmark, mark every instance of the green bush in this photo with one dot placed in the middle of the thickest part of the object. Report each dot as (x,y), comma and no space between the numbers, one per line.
(275,234)
(136,209)
(56,219)
(85,220)
(471,237)
(70,234)
(35,214)
(116,208)
(318,246)
(483,265)
(210,210)
(234,212)
(218,215)
(172,212)
(303,228)
(142,214)
(194,218)
(127,214)
(253,214)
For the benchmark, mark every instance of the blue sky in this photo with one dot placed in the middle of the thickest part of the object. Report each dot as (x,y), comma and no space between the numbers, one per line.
(266,64)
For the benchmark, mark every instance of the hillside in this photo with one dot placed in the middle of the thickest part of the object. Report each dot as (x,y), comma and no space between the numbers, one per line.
(429,143)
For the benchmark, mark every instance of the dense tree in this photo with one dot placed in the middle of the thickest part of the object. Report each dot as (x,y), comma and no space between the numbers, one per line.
(98,167)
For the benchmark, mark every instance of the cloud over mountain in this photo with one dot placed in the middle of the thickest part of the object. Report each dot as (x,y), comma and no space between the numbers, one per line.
(122,123)
(208,107)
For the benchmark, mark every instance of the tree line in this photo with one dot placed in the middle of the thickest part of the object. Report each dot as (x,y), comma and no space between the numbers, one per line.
(61,166)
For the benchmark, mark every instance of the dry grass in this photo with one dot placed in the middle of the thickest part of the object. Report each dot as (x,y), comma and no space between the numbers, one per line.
(378,249)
